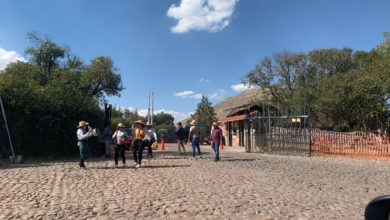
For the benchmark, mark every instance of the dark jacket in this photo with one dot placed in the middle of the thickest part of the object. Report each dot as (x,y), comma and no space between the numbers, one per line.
(180,133)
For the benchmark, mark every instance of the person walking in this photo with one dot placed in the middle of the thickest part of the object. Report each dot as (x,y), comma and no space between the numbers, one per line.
(82,142)
(138,143)
(194,137)
(121,136)
(216,139)
(180,138)
(150,138)
(107,136)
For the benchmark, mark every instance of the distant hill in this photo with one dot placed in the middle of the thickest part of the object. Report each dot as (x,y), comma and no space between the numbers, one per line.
(227,105)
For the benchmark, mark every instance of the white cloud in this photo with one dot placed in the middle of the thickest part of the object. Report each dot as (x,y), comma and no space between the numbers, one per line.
(218,95)
(183,94)
(241,87)
(197,96)
(203,80)
(7,57)
(188,94)
(209,15)
(178,116)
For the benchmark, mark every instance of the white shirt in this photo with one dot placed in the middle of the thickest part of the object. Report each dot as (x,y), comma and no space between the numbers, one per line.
(149,133)
(81,135)
(120,135)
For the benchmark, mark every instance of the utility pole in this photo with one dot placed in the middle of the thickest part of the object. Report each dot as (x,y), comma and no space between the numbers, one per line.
(152,106)
(149,108)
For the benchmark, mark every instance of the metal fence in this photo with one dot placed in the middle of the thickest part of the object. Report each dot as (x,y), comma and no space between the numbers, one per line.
(6,147)
(285,130)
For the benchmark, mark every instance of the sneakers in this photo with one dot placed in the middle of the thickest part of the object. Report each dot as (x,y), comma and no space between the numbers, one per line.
(116,166)
(138,165)
(135,164)
(193,158)
(200,156)
(124,165)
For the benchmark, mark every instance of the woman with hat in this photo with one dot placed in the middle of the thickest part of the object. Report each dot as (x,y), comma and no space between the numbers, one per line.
(82,142)
(138,143)
(216,139)
(120,136)
(194,137)
(150,138)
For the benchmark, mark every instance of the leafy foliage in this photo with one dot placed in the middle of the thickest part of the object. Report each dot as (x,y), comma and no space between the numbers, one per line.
(342,87)
(46,98)
(204,114)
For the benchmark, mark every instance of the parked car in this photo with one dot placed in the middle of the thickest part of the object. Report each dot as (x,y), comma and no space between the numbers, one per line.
(129,143)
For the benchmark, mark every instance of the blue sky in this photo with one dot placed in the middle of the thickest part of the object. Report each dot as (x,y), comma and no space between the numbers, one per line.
(184,48)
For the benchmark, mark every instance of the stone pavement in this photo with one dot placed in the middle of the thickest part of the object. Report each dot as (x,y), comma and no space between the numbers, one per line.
(240,186)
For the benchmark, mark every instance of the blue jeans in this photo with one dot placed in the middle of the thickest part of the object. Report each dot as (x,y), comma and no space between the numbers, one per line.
(195,143)
(216,149)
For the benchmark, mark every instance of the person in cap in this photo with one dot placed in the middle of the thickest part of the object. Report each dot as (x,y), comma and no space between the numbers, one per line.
(138,143)
(121,136)
(180,137)
(150,138)
(216,139)
(194,137)
(82,142)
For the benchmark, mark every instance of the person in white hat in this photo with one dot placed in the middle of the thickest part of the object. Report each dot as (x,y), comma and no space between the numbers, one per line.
(82,142)
(120,136)
(194,138)
(150,138)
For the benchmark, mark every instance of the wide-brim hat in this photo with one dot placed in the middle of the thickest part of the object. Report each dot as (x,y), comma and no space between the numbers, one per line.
(121,125)
(215,123)
(82,124)
(148,124)
(193,122)
(138,122)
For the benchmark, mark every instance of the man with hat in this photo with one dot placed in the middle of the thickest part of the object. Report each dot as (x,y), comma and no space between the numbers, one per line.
(120,136)
(194,137)
(150,138)
(138,143)
(216,139)
(82,142)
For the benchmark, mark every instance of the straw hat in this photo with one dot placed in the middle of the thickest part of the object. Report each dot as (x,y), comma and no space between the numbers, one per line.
(215,123)
(82,124)
(120,125)
(193,122)
(148,124)
(138,122)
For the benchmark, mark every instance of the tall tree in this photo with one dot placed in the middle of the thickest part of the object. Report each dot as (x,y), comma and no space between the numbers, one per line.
(45,53)
(204,114)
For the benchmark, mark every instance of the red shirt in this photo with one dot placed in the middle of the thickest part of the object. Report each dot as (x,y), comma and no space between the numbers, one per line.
(216,135)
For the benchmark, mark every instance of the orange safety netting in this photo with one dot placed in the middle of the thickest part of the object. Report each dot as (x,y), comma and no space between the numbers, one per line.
(356,145)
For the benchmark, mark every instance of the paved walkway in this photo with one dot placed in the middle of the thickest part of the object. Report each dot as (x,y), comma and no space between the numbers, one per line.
(240,186)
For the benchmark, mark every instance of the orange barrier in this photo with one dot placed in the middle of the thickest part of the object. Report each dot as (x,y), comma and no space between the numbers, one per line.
(355,145)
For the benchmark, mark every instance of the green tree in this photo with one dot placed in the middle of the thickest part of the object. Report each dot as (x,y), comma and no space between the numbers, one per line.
(45,53)
(204,114)
(100,78)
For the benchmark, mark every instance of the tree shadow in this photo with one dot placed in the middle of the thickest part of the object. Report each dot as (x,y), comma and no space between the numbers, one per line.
(143,167)
(23,165)
(232,160)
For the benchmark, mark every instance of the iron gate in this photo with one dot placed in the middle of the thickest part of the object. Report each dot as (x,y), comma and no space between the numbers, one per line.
(284,130)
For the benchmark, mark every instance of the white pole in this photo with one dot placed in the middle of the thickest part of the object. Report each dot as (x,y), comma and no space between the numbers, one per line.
(149,108)
(6,126)
(152,106)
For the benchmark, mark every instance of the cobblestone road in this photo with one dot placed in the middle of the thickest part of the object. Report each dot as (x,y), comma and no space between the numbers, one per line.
(240,186)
